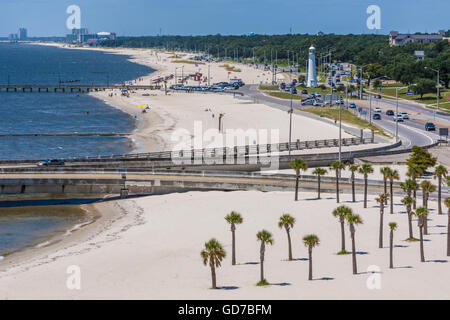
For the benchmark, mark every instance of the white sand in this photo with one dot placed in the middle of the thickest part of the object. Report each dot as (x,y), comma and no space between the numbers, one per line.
(151,249)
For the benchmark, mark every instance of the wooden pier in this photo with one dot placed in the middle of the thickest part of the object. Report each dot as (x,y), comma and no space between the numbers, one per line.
(71,88)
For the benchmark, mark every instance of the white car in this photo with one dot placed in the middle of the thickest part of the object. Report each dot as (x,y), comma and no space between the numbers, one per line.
(377,110)
(398,117)
(404,115)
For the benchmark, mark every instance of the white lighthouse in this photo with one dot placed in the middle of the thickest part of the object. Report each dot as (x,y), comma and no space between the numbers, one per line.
(312,78)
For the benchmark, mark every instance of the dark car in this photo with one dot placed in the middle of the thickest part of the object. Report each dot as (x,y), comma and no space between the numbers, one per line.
(53,162)
(429,126)
(376,116)
(294,91)
(390,112)
(304,91)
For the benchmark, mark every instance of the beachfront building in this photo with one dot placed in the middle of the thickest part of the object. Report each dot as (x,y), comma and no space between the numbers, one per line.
(400,39)
(312,77)
(82,36)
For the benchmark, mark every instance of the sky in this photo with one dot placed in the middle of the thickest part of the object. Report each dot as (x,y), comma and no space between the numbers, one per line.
(202,17)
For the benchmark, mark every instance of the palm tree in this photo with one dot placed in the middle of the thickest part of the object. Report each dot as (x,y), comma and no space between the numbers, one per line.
(337,166)
(384,171)
(392,227)
(440,172)
(353,169)
(233,219)
(408,201)
(421,213)
(381,200)
(298,164)
(408,186)
(287,221)
(392,175)
(342,212)
(213,254)
(319,172)
(266,238)
(414,171)
(365,170)
(447,204)
(353,219)
(311,241)
(427,189)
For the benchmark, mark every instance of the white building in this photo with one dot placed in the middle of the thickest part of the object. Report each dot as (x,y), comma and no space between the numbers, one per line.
(312,77)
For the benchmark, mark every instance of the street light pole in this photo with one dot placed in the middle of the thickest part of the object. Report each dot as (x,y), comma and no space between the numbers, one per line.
(290,126)
(396,115)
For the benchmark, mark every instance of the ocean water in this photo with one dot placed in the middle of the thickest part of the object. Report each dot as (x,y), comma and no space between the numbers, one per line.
(29,225)
(25,113)
(28,228)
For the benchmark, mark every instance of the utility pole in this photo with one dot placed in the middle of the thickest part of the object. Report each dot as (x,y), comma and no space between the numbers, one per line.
(370,108)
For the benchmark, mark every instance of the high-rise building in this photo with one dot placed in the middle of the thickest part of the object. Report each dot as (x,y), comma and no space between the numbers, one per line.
(22,34)
(312,78)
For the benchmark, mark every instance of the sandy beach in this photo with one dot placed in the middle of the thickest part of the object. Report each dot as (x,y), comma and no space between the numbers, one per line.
(149,248)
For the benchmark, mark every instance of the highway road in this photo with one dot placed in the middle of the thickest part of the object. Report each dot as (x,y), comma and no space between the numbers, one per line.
(410,132)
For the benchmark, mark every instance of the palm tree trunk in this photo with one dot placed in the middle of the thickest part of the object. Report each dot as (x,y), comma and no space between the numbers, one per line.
(310,277)
(411,236)
(380,241)
(365,191)
(385,190)
(353,187)
(296,188)
(261,257)
(391,253)
(448,234)
(342,235)
(439,194)
(213,276)
(391,190)
(337,186)
(289,245)
(414,195)
(318,186)
(233,251)
(355,268)
(422,255)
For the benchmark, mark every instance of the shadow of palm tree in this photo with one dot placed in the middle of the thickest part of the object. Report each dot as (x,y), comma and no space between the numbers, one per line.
(405,267)
(362,252)
(228,288)
(439,226)
(324,279)
(312,199)
(438,261)
(301,259)
(282,284)
(250,262)
(400,246)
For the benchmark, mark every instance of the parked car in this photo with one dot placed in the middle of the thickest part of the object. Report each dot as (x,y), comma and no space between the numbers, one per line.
(390,112)
(404,115)
(429,126)
(307,102)
(376,116)
(304,91)
(352,106)
(378,96)
(294,90)
(52,162)
(398,117)
(377,110)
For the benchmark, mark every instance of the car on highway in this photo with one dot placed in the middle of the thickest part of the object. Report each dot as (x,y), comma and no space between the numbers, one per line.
(398,118)
(307,102)
(404,115)
(376,116)
(52,162)
(429,126)
(378,96)
(352,106)
(377,110)
(318,103)
(390,112)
